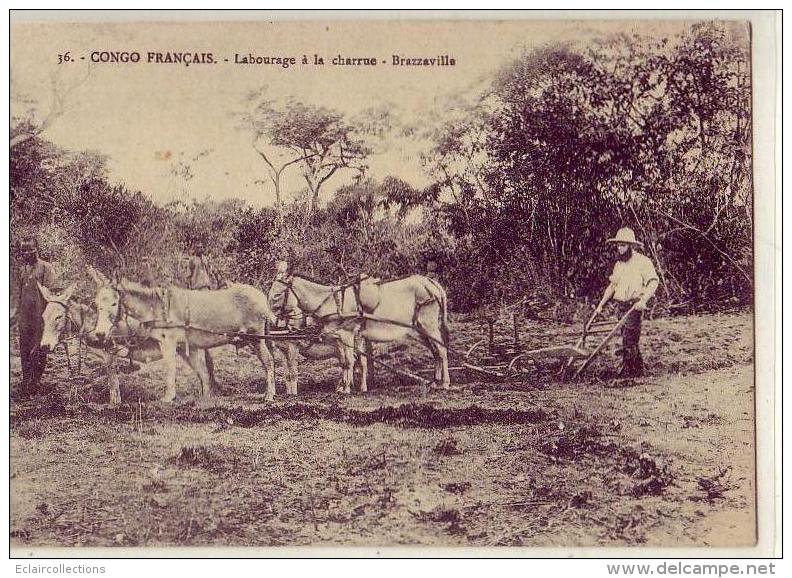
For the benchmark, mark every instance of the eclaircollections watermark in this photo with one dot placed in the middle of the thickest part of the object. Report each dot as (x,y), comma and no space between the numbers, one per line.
(59,568)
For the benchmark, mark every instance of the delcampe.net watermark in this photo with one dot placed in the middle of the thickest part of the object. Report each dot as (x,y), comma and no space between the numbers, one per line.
(690,569)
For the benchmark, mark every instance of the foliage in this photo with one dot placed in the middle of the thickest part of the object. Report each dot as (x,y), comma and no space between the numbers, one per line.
(317,139)
(529,178)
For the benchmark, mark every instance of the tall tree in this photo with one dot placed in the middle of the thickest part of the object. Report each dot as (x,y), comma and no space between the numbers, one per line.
(29,118)
(317,139)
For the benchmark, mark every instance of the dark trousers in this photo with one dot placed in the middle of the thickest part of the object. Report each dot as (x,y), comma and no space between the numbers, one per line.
(632,362)
(207,357)
(34,359)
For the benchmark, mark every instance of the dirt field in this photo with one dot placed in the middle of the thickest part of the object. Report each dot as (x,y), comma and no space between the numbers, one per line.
(664,460)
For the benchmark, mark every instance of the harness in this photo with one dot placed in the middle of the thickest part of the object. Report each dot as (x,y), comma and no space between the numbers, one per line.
(128,339)
(161,318)
(338,293)
(164,299)
(73,330)
(288,319)
(71,323)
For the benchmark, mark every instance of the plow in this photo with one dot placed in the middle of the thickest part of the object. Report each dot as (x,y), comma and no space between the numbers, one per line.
(512,360)
(484,358)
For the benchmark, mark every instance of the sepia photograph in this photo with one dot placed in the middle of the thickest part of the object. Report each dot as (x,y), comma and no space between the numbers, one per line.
(480,283)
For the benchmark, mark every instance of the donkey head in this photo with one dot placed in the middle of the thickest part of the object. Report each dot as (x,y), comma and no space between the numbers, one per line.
(108,305)
(56,316)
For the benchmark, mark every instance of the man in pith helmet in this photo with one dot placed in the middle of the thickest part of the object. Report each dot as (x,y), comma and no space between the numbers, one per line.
(633,283)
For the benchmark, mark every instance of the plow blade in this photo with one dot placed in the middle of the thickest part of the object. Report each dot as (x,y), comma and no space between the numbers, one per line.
(566,351)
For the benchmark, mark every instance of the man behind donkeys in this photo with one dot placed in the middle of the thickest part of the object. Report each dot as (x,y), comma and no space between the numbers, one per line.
(28,314)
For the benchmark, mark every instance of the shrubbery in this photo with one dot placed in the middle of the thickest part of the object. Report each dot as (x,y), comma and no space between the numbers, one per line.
(568,144)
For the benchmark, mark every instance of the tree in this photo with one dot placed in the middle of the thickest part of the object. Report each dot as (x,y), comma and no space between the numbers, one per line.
(29,119)
(317,139)
(458,156)
(579,140)
(688,101)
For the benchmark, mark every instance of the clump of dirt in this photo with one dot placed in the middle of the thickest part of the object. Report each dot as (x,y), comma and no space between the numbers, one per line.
(408,415)
(448,447)
(581,500)
(714,487)
(49,406)
(20,534)
(157,485)
(197,456)
(457,488)
(628,526)
(442,515)
(654,477)
(574,443)
(31,430)
(535,494)
(711,419)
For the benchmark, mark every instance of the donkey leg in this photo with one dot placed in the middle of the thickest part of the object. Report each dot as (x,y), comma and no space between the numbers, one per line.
(445,377)
(268,362)
(437,353)
(210,369)
(291,369)
(433,340)
(440,353)
(168,349)
(431,346)
(349,370)
(197,361)
(341,353)
(364,350)
(346,357)
(349,364)
(112,379)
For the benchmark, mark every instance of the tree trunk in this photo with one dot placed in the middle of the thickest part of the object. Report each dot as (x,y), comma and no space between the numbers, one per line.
(21,138)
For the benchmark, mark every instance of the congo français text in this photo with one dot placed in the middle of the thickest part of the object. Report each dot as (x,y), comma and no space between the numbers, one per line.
(134,57)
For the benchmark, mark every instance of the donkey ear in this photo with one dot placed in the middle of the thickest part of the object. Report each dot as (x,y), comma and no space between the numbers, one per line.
(46,293)
(98,277)
(280,269)
(69,292)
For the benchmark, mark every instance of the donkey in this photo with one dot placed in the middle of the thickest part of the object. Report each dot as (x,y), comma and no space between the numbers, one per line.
(288,312)
(414,306)
(199,319)
(64,317)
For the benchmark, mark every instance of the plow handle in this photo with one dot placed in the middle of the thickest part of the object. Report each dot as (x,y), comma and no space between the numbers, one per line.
(590,322)
(581,342)
(604,342)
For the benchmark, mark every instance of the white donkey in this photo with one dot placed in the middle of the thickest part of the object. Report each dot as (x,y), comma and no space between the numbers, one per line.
(198,319)
(64,317)
(414,306)
(286,309)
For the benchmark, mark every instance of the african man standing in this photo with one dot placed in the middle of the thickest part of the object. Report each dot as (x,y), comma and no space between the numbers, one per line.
(28,313)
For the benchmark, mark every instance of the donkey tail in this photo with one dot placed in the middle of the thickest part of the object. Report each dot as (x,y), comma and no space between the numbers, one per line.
(442,299)
(444,330)
(257,299)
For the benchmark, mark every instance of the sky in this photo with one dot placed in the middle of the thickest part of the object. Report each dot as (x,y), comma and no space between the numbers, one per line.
(143,117)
